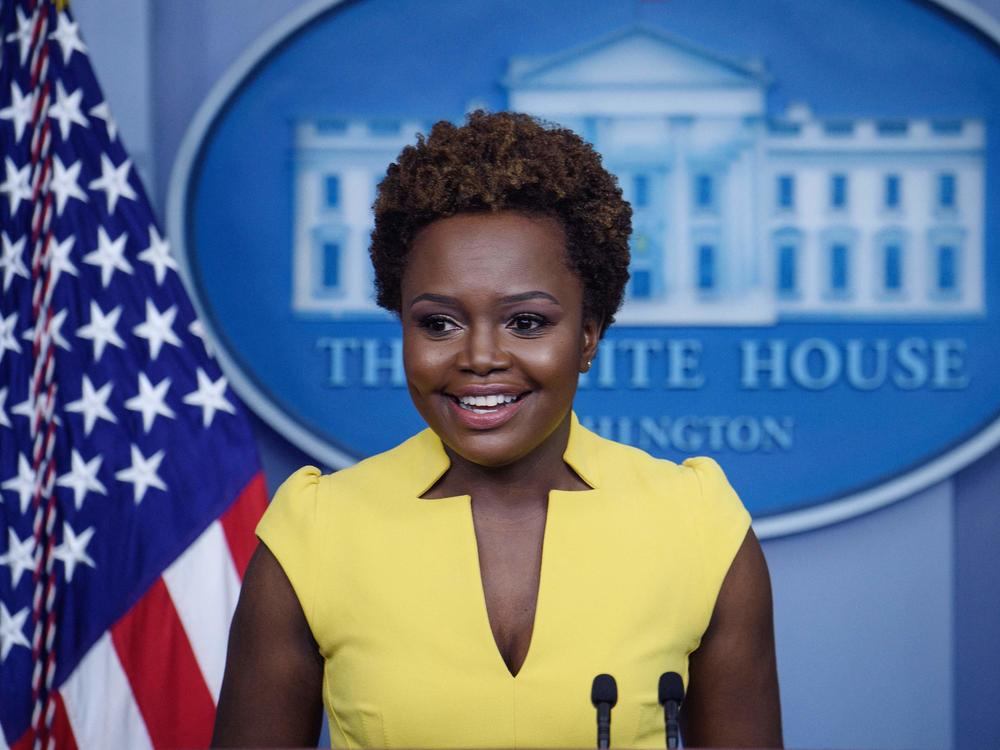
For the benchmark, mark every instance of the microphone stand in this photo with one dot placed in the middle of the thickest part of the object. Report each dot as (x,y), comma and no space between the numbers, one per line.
(671,695)
(604,696)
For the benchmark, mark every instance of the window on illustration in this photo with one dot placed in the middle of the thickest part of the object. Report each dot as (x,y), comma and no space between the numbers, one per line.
(332,191)
(947,276)
(838,191)
(892,192)
(893,268)
(704,191)
(706,267)
(331,265)
(642,286)
(786,191)
(786,269)
(839,267)
(640,191)
(946,190)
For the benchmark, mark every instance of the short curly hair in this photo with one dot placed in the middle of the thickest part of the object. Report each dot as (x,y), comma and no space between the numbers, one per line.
(506,161)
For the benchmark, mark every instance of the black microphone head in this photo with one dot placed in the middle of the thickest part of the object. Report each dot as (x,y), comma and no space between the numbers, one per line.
(671,688)
(604,690)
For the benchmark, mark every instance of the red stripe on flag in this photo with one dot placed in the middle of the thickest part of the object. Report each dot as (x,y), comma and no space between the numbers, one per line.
(161,668)
(241,519)
(62,730)
(25,742)
(61,736)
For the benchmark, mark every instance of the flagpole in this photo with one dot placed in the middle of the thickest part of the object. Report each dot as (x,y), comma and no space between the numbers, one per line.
(43,388)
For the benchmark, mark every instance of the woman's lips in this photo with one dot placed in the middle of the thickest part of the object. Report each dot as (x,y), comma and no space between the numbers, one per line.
(485,417)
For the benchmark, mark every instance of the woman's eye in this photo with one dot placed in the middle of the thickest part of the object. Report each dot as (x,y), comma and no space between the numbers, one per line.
(438,324)
(527,323)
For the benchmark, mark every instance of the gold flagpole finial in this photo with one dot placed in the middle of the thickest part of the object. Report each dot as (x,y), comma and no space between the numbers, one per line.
(61,4)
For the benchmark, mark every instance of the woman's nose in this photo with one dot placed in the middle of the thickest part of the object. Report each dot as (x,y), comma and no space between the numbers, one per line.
(484,351)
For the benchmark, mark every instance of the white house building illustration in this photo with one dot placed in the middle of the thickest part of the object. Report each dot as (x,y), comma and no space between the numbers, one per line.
(741,217)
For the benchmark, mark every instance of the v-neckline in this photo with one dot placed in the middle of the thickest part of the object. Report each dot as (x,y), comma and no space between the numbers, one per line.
(578,457)
(487,615)
(485,622)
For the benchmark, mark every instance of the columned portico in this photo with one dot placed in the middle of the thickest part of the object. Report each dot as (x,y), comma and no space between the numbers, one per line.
(741,216)
(679,268)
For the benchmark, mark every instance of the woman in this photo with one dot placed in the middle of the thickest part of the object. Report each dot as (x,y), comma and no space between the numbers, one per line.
(464,588)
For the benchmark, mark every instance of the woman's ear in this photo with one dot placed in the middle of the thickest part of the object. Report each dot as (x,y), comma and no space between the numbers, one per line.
(592,329)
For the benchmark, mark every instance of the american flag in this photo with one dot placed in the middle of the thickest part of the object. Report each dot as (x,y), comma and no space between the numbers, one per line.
(129,483)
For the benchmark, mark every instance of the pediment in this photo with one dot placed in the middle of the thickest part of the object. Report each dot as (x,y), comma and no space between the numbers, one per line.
(638,56)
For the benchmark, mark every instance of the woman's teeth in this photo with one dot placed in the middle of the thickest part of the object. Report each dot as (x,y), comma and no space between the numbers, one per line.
(484,404)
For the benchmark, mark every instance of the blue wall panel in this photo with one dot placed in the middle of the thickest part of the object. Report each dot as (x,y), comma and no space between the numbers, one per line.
(888,625)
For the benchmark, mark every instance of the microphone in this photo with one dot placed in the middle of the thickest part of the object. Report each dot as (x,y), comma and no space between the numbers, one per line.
(671,695)
(604,696)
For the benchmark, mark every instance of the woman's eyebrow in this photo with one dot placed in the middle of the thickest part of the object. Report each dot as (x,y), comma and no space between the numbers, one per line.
(440,298)
(524,296)
(508,300)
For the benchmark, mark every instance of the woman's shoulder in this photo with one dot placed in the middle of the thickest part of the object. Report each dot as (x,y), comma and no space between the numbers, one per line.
(383,474)
(310,505)
(696,485)
(628,463)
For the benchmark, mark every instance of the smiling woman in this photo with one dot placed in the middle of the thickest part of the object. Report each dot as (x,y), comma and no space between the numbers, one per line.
(464,588)
(490,310)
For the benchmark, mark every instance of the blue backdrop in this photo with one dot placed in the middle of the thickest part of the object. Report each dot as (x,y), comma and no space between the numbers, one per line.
(876,618)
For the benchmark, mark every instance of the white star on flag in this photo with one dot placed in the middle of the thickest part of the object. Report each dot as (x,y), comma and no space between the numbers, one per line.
(15,185)
(82,478)
(67,33)
(109,255)
(151,401)
(55,331)
(93,404)
(20,110)
(73,550)
(7,340)
(114,181)
(20,555)
(12,631)
(26,409)
(142,473)
(59,261)
(101,329)
(66,183)
(67,110)
(158,328)
(209,396)
(23,34)
(12,260)
(24,483)
(102,112)
(158,255)
(4,419)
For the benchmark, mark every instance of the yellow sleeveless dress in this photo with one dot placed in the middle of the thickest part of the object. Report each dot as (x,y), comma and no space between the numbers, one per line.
(390,586)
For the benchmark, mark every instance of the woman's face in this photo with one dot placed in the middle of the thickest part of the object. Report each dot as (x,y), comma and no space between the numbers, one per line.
(494,336)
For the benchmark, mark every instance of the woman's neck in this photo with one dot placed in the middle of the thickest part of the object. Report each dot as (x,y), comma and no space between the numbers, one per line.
(519,486)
